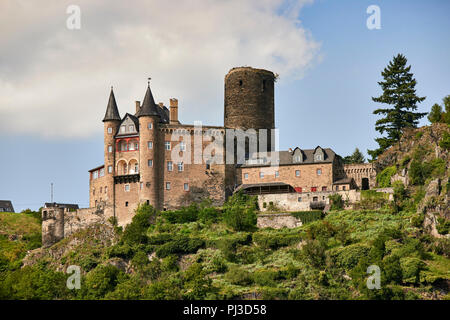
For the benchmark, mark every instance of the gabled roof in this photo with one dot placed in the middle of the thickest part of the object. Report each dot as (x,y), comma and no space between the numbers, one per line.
(135,122)
(112,112)
(6,205)
(149,107)
(286,157)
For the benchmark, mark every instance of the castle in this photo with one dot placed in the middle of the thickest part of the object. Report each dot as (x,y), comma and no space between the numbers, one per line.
(151,157)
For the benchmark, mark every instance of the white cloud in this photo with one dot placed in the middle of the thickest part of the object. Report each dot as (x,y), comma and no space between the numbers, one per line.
(54,82)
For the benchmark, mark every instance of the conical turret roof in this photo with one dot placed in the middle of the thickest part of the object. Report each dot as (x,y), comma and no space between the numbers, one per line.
(149,107)
(112,112)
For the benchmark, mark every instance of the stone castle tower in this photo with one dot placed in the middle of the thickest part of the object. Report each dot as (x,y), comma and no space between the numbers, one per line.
(138,165)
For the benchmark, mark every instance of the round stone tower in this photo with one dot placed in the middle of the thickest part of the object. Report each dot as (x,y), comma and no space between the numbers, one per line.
(249,99)
(149,166)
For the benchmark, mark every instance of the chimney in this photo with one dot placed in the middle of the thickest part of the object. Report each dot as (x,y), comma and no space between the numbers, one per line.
(290,150)
(138,106)
(174,111)
(161,105)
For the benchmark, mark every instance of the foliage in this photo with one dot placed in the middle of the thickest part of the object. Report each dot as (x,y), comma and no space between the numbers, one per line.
(399,92)
(435,114)
(308,216)
(240,212)
(355,157)
(337,203)
(136,231)
(445,141)
(179,245)
(384,177)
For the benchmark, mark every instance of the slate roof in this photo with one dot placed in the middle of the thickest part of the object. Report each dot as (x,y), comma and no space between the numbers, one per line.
(149,107)
(286,157)
(6,206)
(112,112)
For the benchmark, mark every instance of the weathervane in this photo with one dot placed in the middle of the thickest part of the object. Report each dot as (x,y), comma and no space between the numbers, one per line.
(149,81)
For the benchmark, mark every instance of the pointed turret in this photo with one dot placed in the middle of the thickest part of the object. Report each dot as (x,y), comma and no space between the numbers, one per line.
(149,107)
(112,113)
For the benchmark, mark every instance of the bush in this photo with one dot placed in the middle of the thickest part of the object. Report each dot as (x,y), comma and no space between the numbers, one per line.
(445,141)
(337,203)
(275,241)
(165,289)
(308,216)
(136,231)
(100,281)
(384,177)
(239,276)
(240,212)
(183,215)
(349,256)
(179,245)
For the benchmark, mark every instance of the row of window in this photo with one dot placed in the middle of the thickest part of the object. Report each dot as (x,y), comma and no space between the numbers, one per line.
(105,189)
(131,128)
(277,174)
(168,186)
(134,146)
(98,173)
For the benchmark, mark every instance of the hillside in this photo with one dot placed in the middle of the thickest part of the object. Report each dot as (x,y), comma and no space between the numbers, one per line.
(203,252)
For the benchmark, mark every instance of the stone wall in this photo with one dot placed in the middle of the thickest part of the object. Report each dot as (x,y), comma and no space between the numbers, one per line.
(278,221)
(301,201)
(59,223)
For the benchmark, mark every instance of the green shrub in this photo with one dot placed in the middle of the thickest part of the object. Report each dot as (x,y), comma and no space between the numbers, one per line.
(349,256)
(384,177)
(308,216)
(179,245)
(100,281)
(445,141)
(240,212)
(443,225)
(265,277)
(123,251)
(337,203)
(165,289)
(183,215)
(239,276)
(208,214)
(136,231)
(275,241)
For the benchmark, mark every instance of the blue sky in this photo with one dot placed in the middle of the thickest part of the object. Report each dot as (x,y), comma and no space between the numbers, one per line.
(326,101)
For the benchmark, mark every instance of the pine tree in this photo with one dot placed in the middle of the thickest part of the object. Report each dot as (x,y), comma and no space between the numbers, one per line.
(400,93)
(446,114)
(355,157)
(435,114)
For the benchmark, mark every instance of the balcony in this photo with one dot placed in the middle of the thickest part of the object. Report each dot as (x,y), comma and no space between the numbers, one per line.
(127,178)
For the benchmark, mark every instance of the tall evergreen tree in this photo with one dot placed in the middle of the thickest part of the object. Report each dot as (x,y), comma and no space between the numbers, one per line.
(400,93)
(355,157)
(435,114)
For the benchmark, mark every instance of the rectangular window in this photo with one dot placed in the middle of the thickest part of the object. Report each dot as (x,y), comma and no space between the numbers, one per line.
(109,130)
(131,128)
(297,173)
(127,187)
(182,146)
(208,165)
(109,169)
(315,199)
(150,163)
(150,125)
(180,166)
(123,129)
(261,175)
(337,187)
(324,188)
(141,185)
(245,175)
(126,204)
(313,189)
(95,174)
(277,174)
(186,187)
(150,145)
(167,145)
(299,199)
(343,188)
(106,189)
(109,149)
(319,172)
(169,166)
(167,185)
(102,172)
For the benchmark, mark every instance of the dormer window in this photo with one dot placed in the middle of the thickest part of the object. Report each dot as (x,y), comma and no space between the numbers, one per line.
(131,128)
(123,129)
(297,156)
(318,157)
